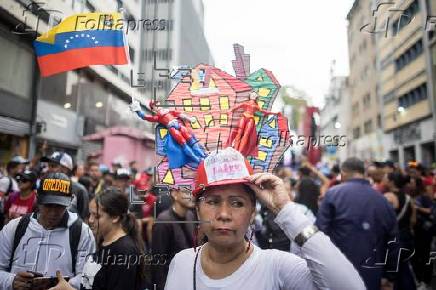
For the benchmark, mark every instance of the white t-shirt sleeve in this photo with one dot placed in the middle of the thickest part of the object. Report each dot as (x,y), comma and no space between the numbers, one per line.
(293,273)
(329,267)
(4,184)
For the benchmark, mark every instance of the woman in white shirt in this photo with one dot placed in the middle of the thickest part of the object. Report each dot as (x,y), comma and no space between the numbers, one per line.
(225,194)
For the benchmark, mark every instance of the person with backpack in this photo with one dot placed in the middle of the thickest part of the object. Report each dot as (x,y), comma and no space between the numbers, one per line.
(48,240)
(120,261)
(8,184)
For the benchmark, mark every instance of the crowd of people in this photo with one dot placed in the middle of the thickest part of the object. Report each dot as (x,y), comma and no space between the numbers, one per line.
(71,220)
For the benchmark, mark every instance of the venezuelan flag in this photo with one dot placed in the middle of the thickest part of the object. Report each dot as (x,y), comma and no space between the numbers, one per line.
(81,40)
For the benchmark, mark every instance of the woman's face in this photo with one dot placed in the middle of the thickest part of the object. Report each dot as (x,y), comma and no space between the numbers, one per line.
(228,212)
(80,170)
(99,221)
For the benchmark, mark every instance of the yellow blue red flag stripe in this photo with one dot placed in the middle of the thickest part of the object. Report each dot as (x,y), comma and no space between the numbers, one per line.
(81,40)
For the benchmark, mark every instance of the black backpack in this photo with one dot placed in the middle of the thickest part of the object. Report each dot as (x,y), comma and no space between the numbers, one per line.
(75,233)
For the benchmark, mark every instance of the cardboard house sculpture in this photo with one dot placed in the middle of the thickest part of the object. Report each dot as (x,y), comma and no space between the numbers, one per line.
(208,94)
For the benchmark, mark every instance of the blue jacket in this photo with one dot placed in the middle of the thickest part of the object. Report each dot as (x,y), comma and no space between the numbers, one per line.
(363,225)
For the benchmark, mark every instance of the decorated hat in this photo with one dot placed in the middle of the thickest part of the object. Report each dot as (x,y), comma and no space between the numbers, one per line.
(222,167)
(55,189)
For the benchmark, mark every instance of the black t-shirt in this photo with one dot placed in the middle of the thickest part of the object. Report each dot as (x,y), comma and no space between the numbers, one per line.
(80,202)
(404,222)
(113,267)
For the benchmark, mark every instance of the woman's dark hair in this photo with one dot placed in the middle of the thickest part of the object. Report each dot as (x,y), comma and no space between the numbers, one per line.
(398,179)
(305,171)
(86,181)
(116,204)
(251,194)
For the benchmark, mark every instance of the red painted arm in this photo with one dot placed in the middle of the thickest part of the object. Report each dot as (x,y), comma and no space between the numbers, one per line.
(238,107)
(176,113)
(150,118)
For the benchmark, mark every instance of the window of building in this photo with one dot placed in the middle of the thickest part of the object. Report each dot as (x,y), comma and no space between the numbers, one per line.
(187,105)
(409,55)
(355,108)
(205,104)
(405,17)
(162,54)
(224,102)
(367,127)
(379,121)
(209,121)
(16,73)
(195,124)
(356,133)
(132,54)
(223,119)
(366,101)
(414,96)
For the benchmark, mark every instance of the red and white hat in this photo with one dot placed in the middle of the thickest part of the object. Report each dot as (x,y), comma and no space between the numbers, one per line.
(222,167)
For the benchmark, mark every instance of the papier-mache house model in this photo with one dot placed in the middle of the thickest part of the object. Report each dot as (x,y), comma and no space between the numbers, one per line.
(208,94)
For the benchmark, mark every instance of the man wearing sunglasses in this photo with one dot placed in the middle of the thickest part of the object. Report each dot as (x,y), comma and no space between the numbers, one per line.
(23,201)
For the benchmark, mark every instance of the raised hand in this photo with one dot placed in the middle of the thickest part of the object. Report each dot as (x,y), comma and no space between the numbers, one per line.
(270,190)
(135,106)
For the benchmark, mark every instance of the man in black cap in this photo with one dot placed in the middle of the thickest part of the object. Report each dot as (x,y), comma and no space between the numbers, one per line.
(51,239)
(24,201)
(62,162)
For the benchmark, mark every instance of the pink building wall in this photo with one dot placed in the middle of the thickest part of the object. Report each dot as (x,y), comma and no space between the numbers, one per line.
(124,144)
(124,149)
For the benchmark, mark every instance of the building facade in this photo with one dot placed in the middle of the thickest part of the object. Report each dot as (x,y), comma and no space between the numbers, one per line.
(335,118)
(58,110)
(405,57)
(176,39)
(365,127)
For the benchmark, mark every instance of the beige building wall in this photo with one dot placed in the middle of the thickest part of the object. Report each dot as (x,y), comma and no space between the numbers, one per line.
(395,83)
(365,123)
(402,71)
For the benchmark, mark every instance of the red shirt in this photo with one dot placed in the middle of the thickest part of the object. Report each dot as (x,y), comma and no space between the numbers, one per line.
(16,206)
(148,206)
(379,187)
